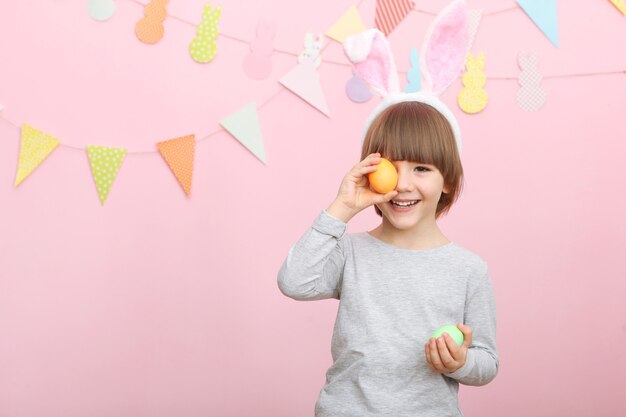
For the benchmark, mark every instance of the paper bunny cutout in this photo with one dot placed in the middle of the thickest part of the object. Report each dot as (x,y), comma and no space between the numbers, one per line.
(443,58)
(531,97)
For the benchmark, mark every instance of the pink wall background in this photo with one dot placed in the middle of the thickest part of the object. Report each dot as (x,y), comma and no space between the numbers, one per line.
(160,305)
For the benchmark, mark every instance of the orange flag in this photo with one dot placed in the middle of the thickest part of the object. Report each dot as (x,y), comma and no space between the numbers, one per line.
(179,155)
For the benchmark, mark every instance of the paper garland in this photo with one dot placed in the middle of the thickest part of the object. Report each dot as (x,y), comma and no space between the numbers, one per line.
(105,162)
(258,65)
(413,75)
(101,9)
(203,48)
(620,4)
(150,29)
(179,154)
(357,90)
(35,147)
(531,97)
(543,13)
(244,126)
(312,48)
(348,24)
(473,98)
(475,17)
(304,81)
(389,13)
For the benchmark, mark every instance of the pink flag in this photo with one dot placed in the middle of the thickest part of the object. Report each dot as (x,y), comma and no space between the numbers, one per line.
(391,12)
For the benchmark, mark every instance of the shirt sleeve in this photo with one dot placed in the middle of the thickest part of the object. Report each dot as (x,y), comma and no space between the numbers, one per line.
(481,365)
(314,266)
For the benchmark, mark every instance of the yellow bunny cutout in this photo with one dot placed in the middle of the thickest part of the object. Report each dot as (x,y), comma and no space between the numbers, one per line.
(473,98)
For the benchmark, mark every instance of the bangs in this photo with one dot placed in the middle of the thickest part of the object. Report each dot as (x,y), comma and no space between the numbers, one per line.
(411,131)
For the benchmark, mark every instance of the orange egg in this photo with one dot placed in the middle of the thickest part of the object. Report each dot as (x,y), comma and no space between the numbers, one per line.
(385,178)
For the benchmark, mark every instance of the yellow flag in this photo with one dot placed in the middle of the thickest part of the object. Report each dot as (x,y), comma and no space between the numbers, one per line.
(348,24)
(35,147)
(620,4)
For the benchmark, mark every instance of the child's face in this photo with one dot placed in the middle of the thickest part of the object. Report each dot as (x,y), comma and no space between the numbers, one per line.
(419,189)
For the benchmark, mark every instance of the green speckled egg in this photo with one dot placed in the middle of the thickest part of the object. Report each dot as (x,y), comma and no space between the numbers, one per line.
(452,330)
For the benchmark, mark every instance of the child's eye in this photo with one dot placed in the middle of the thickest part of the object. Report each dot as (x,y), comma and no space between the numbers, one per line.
(421,169)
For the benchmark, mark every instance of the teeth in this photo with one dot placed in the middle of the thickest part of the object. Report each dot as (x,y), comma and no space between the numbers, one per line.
(404,203)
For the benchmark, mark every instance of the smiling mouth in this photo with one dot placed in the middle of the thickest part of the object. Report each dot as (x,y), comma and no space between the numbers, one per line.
(404,204)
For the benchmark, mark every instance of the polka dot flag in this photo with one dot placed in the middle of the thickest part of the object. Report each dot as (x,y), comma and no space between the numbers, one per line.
(105,162)
(179,155)
(36,146)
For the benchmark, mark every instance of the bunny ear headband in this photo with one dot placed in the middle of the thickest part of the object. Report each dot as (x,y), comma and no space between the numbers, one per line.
(443,57)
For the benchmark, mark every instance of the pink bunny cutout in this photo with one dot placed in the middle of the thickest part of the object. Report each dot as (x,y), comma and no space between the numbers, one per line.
(443,57)
(258,64)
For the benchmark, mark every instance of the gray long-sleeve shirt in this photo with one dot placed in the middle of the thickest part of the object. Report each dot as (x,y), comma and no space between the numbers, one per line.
(391,300)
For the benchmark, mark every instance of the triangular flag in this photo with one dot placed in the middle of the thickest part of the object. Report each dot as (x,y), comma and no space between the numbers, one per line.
(391,12)
(620,4)
(244,126)
(105,162)
(543,13)
(304,81)
(35,147)
(179,155)
(349,23)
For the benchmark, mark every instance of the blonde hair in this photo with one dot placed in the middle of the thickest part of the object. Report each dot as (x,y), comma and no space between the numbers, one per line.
(416,132)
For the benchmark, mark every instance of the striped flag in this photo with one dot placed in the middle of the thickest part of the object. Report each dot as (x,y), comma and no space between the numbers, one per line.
(390,12)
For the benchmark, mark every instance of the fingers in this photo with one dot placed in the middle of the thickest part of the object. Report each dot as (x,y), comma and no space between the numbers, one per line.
(383,198)
(434,358)
(372,159)
(443,355)
(366,166)
(364,170)
(430,360)
(373,156)
(467,334)
(456,352)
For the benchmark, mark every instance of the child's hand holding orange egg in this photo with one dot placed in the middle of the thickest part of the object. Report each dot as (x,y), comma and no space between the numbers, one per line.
(355,193)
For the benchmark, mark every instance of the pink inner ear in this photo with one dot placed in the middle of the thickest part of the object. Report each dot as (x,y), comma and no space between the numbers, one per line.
(376,68)
(447,47)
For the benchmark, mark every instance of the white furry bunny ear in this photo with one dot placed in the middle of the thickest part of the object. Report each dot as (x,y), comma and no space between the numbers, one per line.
(445,48)
(371,56)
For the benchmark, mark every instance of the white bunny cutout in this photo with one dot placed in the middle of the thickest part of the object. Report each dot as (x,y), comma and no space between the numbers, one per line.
(443,57)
